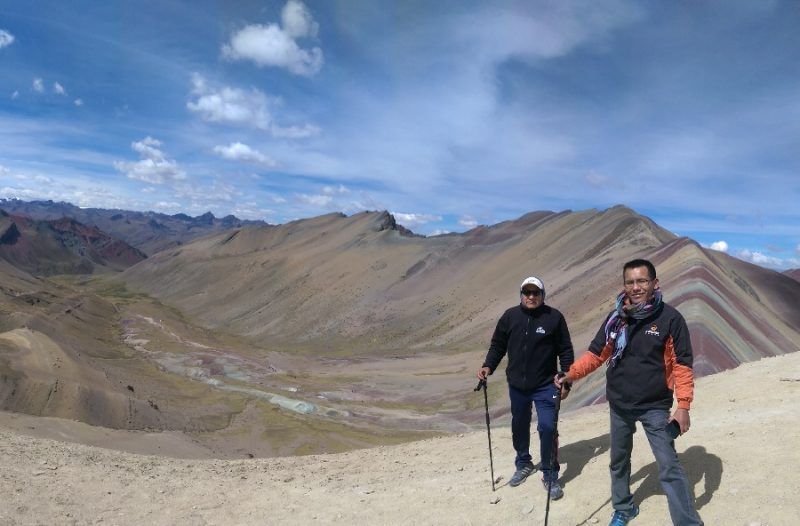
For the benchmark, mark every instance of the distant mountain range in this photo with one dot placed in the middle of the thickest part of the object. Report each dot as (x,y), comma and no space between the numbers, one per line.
(61,246)
(149,232)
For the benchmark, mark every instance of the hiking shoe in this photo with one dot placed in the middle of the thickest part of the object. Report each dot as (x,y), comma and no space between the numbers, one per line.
(520,475)
(555,489)
(621,518)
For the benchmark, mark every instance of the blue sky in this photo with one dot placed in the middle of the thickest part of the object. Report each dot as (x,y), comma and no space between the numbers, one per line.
(449,114)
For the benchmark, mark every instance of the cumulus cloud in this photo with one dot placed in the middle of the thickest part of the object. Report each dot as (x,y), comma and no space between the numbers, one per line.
(297,20)
(38,85)
(6,38)
(759,258)
(59,89)
(414,220)
(276,46)
(720,246)
(237,151)
(235,106)
(78,102)
(230,105)
(153,167)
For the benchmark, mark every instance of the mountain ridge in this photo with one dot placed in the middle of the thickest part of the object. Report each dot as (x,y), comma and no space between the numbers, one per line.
(149,232)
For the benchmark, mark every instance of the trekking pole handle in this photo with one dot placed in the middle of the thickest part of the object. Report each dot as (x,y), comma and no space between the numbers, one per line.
(481,385)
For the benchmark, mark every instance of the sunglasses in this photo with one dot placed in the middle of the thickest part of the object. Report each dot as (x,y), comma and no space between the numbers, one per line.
(534,292)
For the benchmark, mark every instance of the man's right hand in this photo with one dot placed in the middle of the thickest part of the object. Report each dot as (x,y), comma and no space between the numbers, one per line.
(563,384)
(483,373)
(559,379)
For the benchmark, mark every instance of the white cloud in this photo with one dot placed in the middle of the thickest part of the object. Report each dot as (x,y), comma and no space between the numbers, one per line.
(154,167)
(338,198)
(20,193)
(235,106)
(38,85)
(597,180)
(79,102)
(271,45)
(230,105)
(59,89)
(720,246)
(15,94)
(6,38)
(237,151)
(43,179)
(468,222)
(414,220)
(297,20)
(295,132)
(759,258)
(341,189)
(315,200)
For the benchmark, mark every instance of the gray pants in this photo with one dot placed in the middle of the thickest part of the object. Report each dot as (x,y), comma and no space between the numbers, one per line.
(673,479)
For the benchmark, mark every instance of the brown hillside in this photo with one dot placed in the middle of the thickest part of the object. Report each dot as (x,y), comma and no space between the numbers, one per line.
(340,285)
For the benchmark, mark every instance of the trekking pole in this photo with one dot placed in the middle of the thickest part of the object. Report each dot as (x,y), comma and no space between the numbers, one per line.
(482,385)
(553,451)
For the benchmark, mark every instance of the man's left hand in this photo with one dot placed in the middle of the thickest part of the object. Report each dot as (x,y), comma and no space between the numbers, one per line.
(682,417)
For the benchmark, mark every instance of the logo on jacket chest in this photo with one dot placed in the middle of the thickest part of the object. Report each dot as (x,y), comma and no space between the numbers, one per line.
(653,331)
(539,330)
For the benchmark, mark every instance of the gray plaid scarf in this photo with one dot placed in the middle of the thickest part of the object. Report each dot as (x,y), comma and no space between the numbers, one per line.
(618,321)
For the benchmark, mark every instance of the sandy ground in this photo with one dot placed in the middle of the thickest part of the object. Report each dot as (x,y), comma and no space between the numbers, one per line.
(741,455)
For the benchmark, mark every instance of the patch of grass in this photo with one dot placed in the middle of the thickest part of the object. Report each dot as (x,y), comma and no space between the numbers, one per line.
(117,290)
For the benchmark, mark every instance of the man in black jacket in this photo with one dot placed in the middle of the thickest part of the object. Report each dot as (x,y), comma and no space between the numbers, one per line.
(533,335)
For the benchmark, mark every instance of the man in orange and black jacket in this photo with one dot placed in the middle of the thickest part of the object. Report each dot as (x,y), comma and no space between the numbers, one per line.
(646,344)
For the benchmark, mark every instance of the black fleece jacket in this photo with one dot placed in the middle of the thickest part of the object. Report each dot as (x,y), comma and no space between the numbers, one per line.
(532,338)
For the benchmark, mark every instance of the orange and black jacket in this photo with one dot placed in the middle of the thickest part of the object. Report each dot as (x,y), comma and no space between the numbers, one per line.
(656,363)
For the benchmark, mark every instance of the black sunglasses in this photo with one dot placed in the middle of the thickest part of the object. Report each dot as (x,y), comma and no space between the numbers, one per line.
(534,292)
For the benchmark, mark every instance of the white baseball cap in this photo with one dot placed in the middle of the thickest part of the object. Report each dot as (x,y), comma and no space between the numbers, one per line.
(536,282)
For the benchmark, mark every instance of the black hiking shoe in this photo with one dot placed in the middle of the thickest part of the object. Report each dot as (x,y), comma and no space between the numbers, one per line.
(521,474)
(555,489)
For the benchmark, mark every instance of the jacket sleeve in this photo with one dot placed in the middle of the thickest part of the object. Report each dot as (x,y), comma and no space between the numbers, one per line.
(599,351)
(566,353)
(683,374)
(499,344)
